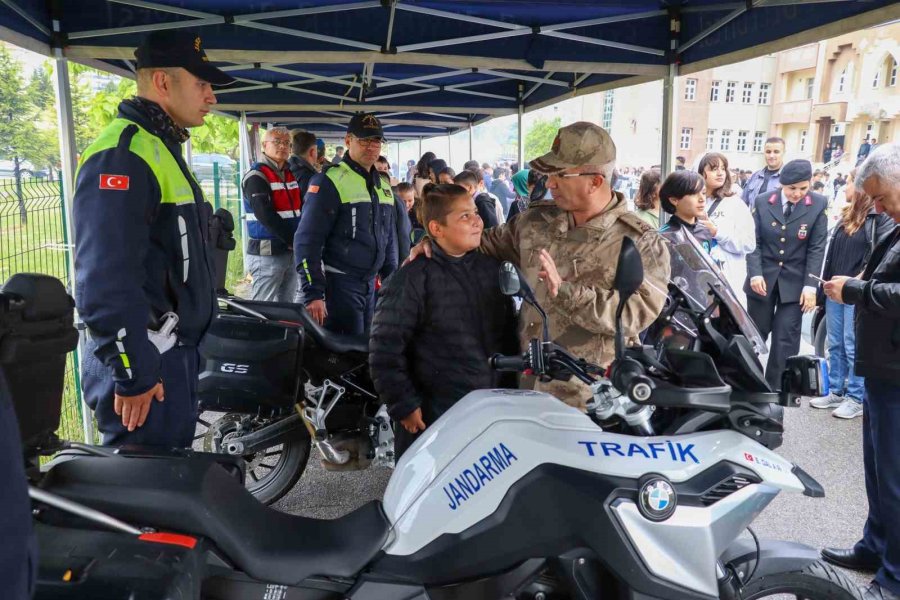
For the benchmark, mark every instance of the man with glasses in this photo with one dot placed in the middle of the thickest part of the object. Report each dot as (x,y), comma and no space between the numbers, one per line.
(568,250)
(347,233)
(272,208)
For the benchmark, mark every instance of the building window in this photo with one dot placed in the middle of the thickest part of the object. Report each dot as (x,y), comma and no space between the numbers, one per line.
(877,79)
(810,85)
(892,71)
(803,140)
(690,89)
(764,92)
(686,135)
(730,90)
(870,127)
(725,140)
(608,101)
(714,91)
(742,141)
(759,139)
(842,81)
(711,139)
(748,92)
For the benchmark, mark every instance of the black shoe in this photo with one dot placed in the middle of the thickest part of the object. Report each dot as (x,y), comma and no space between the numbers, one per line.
(876,592)
(851,559)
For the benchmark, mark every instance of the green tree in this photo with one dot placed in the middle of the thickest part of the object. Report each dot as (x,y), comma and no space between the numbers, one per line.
(217,135)
(540,136)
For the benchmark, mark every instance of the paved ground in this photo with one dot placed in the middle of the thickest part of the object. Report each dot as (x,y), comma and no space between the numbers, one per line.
(829,449)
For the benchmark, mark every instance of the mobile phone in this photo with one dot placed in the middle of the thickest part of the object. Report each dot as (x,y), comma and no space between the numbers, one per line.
(817,278)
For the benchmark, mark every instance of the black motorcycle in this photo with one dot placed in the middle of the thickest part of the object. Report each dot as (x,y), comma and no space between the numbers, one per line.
(279,383)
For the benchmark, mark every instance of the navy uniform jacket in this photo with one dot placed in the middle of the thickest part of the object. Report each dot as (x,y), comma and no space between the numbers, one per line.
(335,236)
(138,256)
(787,252)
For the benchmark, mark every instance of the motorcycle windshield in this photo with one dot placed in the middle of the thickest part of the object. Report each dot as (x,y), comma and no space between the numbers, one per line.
(698,277)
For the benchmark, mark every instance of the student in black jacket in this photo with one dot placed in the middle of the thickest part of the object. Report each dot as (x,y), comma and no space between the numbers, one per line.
(438,321)
(484,204)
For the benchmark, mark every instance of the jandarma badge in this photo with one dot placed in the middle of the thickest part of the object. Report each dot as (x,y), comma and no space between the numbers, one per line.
(802,233)
(114,182)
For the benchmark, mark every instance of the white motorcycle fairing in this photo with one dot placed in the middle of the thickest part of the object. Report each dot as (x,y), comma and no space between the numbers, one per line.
(457,474)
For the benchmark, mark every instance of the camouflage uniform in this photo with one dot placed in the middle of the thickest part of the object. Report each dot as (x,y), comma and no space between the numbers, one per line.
(582,316)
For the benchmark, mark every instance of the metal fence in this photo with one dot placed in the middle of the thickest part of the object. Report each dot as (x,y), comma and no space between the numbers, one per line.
(33,239)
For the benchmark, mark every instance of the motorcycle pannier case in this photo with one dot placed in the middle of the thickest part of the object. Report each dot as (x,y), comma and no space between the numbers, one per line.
(37,332)
(248,363)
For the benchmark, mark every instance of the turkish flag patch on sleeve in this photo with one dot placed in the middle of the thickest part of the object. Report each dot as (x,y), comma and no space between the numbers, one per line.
(113,182)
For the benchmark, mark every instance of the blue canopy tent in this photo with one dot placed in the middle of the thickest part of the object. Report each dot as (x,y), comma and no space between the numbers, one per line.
(426,67)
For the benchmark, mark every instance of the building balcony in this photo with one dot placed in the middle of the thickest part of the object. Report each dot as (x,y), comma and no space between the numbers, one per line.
(798,59)
(836,111)
(797,111)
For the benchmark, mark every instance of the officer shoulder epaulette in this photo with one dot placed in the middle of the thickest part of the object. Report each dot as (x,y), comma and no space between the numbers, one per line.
(635,222)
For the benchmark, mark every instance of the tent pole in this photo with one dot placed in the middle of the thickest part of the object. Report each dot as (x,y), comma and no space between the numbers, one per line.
(449,151)
(668,119)
(470,140)
(244,149)
(520,153)
(420,148)
(68,153)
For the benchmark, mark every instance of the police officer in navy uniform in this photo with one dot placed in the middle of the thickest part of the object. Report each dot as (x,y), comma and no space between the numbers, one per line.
(791,233)
(145,286)
(347,233)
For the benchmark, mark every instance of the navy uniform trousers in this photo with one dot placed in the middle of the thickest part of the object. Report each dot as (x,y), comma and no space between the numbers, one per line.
(783,320)
(881,449)
(350,302)
(170,423)
(18,547)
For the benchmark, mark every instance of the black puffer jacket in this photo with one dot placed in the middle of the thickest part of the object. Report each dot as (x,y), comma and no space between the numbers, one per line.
(436,324)
(876,296)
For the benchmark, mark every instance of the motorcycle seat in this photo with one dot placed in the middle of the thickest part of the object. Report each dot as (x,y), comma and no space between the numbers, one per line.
(201,498)
(333,342)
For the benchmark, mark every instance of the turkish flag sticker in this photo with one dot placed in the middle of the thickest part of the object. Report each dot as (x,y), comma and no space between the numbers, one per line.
(113,182)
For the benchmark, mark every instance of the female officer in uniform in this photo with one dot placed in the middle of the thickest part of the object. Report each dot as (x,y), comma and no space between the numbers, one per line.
(791,232)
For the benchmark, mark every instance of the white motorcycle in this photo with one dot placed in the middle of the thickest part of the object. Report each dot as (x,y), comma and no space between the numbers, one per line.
(511,494)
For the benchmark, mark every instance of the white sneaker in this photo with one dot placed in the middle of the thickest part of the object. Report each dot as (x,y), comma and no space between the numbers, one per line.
(829,401)
(848,409)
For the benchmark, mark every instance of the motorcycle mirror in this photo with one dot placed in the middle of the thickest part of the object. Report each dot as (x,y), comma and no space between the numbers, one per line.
(510,282)
(513,283)
(629,270)
(629,275)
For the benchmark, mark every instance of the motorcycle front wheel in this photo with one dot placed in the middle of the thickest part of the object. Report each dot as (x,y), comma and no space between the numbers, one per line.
(817,581)
(270,473)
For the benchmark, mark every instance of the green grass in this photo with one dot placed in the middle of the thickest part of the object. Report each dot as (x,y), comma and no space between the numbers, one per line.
(37,244)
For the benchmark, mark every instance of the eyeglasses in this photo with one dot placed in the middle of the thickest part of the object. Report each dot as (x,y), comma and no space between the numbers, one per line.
(567,175)
(369,142)
(281,143)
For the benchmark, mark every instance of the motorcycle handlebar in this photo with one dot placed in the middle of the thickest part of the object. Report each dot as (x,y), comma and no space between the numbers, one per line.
(508,363)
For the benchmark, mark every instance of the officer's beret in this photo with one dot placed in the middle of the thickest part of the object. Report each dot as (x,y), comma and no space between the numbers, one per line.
(795,172)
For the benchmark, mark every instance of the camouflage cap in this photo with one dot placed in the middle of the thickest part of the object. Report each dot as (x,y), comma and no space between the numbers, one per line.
(578,144)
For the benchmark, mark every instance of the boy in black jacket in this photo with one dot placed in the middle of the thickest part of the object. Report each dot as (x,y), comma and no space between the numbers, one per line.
(438,321)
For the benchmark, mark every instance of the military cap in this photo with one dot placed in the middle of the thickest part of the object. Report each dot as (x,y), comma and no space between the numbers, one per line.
(795,172)
(576,145)
(365,125)
(178,48)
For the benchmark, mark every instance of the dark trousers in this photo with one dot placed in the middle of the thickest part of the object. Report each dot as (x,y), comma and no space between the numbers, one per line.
(783,320)
(881,447)
(350,302)
(402,440)
(18,549)
(170,423)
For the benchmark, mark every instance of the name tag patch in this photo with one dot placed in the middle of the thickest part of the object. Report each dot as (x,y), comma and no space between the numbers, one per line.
(482,472)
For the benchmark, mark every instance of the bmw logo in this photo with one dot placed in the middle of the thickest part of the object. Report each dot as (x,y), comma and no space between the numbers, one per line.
(657,499)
